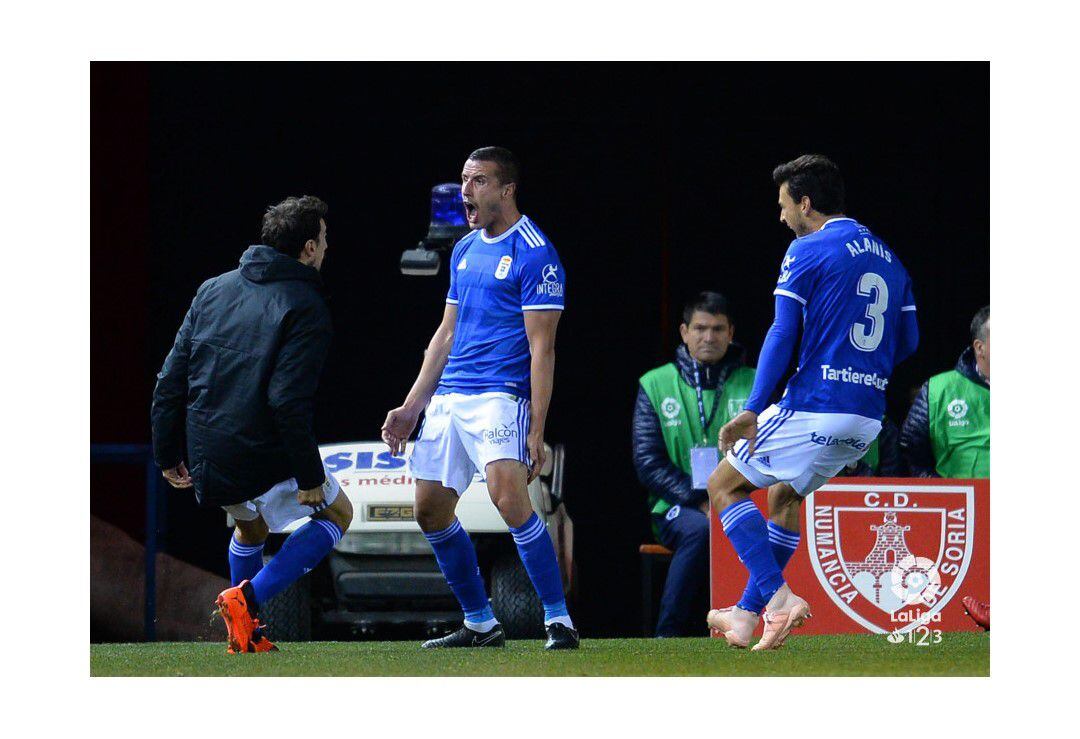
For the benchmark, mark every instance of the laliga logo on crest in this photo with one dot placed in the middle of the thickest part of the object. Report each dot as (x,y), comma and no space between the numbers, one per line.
(915,582)
(915,579)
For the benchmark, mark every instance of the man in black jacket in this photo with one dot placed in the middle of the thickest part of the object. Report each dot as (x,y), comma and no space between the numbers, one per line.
(240,384)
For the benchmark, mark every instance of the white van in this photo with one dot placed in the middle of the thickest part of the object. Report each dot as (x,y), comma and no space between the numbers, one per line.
(382,576)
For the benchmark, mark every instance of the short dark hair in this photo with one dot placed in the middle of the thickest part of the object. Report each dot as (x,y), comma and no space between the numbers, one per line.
(978,324)
(503,158)
(289,225)
(708,302)
(814,175)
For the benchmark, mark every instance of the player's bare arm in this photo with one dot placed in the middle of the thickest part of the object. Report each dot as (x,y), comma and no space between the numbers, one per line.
(540,327)
(775,355)
(401,421)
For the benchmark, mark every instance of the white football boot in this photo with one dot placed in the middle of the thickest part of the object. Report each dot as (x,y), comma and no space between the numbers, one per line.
(786,611)
(736,625)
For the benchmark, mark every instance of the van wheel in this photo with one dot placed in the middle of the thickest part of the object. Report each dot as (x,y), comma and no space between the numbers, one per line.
(514,600)
(288,614)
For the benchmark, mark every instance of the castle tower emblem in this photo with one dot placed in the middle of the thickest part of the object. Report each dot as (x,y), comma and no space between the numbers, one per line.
(890,549)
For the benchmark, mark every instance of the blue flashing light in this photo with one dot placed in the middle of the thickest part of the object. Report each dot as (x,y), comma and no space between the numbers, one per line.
(446,206)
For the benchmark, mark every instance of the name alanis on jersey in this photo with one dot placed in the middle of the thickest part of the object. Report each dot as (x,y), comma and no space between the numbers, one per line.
(868,245)
(855,378)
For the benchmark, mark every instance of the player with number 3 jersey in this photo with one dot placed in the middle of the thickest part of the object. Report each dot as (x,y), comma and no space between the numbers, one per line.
(852,298)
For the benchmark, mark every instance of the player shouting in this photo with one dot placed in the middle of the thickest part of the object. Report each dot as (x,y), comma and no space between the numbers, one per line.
(854,300)
(484,386)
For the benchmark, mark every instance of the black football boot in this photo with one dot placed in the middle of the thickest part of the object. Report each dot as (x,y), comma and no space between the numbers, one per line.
(561,637)
(466,637)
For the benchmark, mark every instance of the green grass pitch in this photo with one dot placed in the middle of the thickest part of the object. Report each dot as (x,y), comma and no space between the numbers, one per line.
(958,654)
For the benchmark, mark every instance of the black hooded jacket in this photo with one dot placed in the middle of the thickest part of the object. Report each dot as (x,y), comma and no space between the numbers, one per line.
(241,380)
(655,469)
(915,435)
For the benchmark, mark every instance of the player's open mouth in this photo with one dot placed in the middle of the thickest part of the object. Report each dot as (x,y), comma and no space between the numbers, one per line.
(470,211)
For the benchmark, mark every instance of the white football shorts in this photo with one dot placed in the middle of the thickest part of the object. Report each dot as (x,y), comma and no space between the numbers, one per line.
(278,505)
(803,449)
(462,434)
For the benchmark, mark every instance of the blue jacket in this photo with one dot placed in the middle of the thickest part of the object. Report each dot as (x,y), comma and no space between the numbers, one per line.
(654,469)
(240,381)
(915,435)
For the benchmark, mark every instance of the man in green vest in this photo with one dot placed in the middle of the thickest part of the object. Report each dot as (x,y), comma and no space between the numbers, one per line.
(947,430)
(682,405)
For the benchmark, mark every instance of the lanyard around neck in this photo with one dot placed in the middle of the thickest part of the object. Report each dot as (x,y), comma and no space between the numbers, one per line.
(701,404)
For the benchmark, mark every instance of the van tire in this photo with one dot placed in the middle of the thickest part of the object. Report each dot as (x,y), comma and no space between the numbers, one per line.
(514,600)
(288,614)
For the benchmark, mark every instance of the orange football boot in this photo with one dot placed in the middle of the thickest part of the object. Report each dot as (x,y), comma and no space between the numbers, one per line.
(245,631)
(259,642)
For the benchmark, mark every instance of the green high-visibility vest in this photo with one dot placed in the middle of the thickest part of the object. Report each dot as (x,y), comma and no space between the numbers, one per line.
(675,403)
(959,411)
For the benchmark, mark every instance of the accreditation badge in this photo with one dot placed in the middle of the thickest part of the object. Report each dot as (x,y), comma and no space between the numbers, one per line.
(703,460)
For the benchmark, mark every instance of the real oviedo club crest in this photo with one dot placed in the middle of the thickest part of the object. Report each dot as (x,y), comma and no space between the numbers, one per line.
(890,557)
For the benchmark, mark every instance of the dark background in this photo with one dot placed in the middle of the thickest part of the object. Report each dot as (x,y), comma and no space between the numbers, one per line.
(652,180)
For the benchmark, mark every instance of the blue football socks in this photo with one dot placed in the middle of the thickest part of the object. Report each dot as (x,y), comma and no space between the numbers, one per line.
(304,549)
(746,529)
(783,542)
(538,555)
(457,559)
(244,561)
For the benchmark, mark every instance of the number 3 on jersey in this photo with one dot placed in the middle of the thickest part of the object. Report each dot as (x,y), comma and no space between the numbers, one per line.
(866,338)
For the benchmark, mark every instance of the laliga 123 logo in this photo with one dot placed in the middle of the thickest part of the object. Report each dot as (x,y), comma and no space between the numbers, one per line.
(890,557)
(957,408)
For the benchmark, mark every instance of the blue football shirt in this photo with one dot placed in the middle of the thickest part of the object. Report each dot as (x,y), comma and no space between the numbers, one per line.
(853,290)
(493,282)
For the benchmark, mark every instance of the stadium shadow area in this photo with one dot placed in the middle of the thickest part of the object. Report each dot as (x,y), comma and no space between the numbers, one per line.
(185,594)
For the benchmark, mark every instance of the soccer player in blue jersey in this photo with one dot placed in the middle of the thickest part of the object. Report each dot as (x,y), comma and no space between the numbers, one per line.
(854,301)
(485,386)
